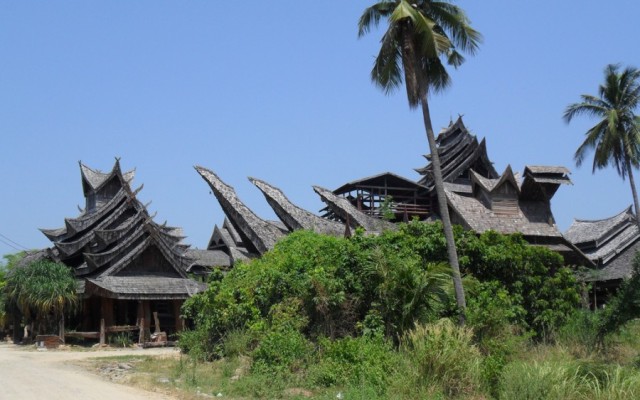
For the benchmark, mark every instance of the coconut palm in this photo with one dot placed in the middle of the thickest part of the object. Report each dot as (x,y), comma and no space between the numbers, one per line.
(616,137)
(421,38)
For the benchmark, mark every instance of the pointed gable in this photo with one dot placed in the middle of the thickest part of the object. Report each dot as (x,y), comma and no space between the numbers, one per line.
(459,152)
(119,238)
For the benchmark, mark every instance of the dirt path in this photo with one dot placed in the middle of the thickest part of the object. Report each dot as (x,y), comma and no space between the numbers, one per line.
(27,374)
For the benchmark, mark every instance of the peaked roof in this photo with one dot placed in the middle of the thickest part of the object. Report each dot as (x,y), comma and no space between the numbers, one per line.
(293,216)
(257,233)
(598,231)
(459,151)
(93,179)
(529,218)
(489,185)
(113,239)
(611,243)
(378,180)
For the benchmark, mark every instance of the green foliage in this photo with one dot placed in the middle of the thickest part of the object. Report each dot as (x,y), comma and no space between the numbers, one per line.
(568,381)
(624,306)
(580,332)
(534,277)
(42,288)
(284,350)
(10,262)
(445,356)
(122,339)
(370,285)
(362,361)
(386,209)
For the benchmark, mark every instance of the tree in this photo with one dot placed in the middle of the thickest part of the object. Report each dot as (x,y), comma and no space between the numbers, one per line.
(421,38)
(42,289)
(616,136)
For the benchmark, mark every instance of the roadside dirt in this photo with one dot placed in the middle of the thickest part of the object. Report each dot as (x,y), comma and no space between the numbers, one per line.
(27,373)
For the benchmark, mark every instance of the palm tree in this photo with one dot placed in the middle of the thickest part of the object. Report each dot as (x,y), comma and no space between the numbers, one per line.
(421,38)
(42,288)
(616,136)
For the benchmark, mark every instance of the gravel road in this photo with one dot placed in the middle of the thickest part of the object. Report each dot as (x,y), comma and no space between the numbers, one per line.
(27,374)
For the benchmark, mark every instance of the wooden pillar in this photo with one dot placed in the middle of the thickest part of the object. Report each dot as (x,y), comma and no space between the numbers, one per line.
(156,323)
(103,332)
(146,322)
(106,309)
(61,332)
(177,305)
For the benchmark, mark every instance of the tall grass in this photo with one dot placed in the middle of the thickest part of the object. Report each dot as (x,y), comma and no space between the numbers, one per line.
(443,357)
(568,380)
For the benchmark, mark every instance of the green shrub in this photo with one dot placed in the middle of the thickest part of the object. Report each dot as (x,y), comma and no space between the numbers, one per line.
(444,356)
(362,361)
(283,350)
(580,333)
(238,342)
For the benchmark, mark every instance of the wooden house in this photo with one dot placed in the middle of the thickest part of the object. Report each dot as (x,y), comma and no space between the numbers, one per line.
(131,271)
(611,244)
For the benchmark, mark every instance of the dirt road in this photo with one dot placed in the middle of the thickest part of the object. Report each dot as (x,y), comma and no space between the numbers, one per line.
(27,374)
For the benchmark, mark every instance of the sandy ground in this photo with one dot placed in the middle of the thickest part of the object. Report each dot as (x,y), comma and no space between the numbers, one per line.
(26,374)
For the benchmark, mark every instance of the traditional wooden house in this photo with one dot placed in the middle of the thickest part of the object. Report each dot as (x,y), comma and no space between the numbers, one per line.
(478,197)
(131,271)
(611,244)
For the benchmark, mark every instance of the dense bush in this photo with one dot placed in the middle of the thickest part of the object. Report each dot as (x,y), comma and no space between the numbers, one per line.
(332,287)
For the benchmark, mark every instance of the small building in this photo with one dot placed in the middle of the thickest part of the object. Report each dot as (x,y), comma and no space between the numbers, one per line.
(131,271)
(611,244)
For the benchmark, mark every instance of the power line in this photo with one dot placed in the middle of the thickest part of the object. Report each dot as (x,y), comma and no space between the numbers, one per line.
(9,244)
(14,242)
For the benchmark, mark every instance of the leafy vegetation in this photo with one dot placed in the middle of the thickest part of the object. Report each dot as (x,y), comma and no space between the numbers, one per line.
(371,315)
(42,291)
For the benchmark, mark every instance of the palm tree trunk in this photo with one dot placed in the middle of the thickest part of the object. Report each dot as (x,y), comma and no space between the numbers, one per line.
(444,210)
(633,190)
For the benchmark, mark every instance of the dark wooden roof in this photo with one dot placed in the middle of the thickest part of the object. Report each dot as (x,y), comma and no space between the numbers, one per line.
(459,152)
(93,179)
(530,218)
(611,243)
(120,238)
(294,217)
(385,179)
(209,259)
(143,287)
(257,234)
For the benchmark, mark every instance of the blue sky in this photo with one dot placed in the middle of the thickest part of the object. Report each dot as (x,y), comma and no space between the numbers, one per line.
(279,91)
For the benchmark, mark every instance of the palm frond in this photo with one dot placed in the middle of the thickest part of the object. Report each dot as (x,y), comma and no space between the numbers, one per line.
(455,22)
(372,16)
(387,72)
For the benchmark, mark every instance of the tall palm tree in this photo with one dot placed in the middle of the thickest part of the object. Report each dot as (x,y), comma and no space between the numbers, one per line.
(616,136)
(421,38)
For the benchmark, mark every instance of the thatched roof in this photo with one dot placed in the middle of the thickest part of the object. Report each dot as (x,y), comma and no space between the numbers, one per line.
(459,151)
(208,258)
(119,237)
(294,217)
(143,287)
(259,235)
(611,243)
(93,179)
(530,218)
